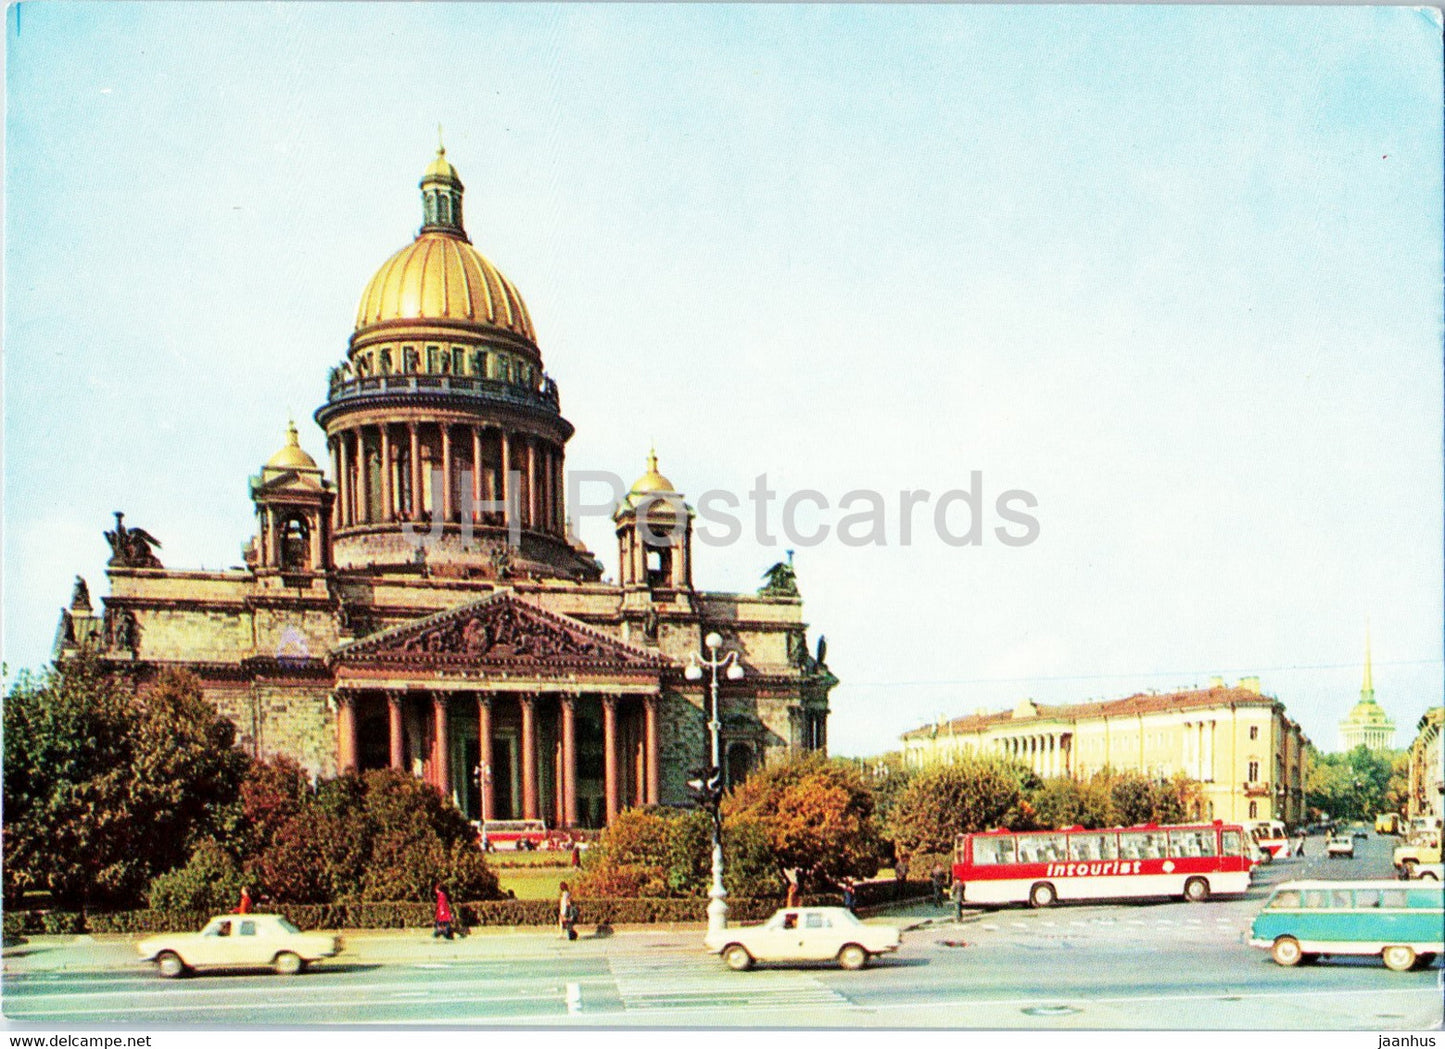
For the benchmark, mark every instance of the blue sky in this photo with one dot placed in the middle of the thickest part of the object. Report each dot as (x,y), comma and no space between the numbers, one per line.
(1175,271)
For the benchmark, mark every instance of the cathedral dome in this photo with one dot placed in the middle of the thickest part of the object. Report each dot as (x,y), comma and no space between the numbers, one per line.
(652,481)
(439,276)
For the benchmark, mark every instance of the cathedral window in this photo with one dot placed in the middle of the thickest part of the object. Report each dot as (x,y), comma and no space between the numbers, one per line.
(363,367)
(459,360)
(433,362)
(431,208)
(444,208)
(409,359)
(479,363)
(504,369)
(386,365)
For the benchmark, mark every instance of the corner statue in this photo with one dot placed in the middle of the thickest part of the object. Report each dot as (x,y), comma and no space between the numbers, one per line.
(131,547)
(782,581)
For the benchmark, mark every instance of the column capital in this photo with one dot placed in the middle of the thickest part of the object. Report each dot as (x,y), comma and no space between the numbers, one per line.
(567,699)
(484,699)
(609,701)
(394,696)
(344,697)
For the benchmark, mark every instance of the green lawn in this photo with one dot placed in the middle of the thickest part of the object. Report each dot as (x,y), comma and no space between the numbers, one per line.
(532,876)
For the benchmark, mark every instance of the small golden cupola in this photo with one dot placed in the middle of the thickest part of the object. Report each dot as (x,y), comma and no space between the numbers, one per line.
(654,534)
(293,513)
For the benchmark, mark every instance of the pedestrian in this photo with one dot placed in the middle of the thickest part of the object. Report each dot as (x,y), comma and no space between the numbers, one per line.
(850,900)
(956,891)
(791,873)
(900,869)
(443,923)
(938,880)
(244,907)
(576,855)
(566,911)
(1299,845)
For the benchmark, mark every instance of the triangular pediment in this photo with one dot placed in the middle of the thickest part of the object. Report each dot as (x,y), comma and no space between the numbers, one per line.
(504,632)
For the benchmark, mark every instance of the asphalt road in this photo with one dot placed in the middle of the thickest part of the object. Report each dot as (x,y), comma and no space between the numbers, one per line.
(1152,966)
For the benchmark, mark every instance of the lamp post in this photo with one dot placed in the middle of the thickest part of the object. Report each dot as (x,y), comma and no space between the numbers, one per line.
(711,788)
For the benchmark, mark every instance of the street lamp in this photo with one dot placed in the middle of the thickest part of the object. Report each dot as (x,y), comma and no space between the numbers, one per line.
(711,786)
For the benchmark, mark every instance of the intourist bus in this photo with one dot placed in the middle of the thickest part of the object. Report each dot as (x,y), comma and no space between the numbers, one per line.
(1194,861)
(1271,838)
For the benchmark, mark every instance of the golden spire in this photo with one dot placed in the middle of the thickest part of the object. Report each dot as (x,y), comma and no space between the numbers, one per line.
(1367,692)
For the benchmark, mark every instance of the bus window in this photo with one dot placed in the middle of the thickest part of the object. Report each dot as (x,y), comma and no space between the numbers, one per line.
(1317,899)
(1143,845)
(1041,848)
(1191,843)
(1367,898)
(1340,900)
(1392,898)
(1233,845)
(1287,900)
(993,851)
(1093,847)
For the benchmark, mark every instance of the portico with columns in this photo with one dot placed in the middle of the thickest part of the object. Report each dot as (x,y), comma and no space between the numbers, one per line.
(509,710)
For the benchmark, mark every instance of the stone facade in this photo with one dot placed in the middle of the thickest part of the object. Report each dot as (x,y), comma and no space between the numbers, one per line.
(1427,769)
(1248,757)
(426,607)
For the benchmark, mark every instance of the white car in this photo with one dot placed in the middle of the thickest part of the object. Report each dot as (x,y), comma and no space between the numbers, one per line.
(804,934)
(1340,845)
(239,941)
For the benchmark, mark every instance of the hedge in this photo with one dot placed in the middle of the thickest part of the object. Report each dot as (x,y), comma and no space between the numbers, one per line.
(404,915)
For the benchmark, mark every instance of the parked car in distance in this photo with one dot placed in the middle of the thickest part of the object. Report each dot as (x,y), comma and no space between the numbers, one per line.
(1340,845)
(1403,925)
(1423,848)
(1360,831)
(804,934)
(1428,871)
(237,941)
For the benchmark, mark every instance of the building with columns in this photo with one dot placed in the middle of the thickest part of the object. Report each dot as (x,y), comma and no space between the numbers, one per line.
(425,606)
(1367,724)
(1247,756)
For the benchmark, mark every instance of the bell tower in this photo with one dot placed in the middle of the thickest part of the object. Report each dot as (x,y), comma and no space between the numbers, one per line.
(293,513)
(654,536)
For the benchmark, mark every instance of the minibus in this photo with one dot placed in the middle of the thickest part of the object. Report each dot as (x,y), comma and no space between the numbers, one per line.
(1401,922)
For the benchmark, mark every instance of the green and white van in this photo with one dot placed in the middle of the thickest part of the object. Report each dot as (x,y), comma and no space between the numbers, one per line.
(1403,923)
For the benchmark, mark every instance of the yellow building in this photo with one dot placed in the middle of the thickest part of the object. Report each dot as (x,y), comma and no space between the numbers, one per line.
(1247,755)
(1427,768)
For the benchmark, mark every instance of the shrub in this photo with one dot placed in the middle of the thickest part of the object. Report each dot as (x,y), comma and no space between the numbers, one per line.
(943,802)
(211,880)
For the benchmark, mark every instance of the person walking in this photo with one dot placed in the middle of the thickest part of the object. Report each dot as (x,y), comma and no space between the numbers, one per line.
(244,907)
(956,892)
(937,881)
(1299,845)
(443,923)
(566,911)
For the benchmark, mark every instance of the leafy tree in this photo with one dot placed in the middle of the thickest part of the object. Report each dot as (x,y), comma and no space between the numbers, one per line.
(948,800)
(650,851)
(1356,784)
(818,816)
(103,789)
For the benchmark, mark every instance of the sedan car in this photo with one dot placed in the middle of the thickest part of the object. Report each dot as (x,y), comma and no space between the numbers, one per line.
(239,941)
(804,934)
(1340,845)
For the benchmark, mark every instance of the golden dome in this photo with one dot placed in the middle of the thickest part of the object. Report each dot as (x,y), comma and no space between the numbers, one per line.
(292,456)
(652,481)
(439,276)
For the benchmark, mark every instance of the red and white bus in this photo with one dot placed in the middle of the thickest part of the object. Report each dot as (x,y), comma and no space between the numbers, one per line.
(1271,838)
(1194,861)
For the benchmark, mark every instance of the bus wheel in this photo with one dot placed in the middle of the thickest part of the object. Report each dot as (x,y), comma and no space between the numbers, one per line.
(1286,951)
(1196,890)
(1042,895)
(1400,959)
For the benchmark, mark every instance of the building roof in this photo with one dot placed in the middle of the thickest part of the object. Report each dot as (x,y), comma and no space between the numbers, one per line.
(1140,703)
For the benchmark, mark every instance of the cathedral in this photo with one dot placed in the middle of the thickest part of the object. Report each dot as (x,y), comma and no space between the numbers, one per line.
(420,603)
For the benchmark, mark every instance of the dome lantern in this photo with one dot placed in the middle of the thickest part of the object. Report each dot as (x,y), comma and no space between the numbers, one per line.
(441,197)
